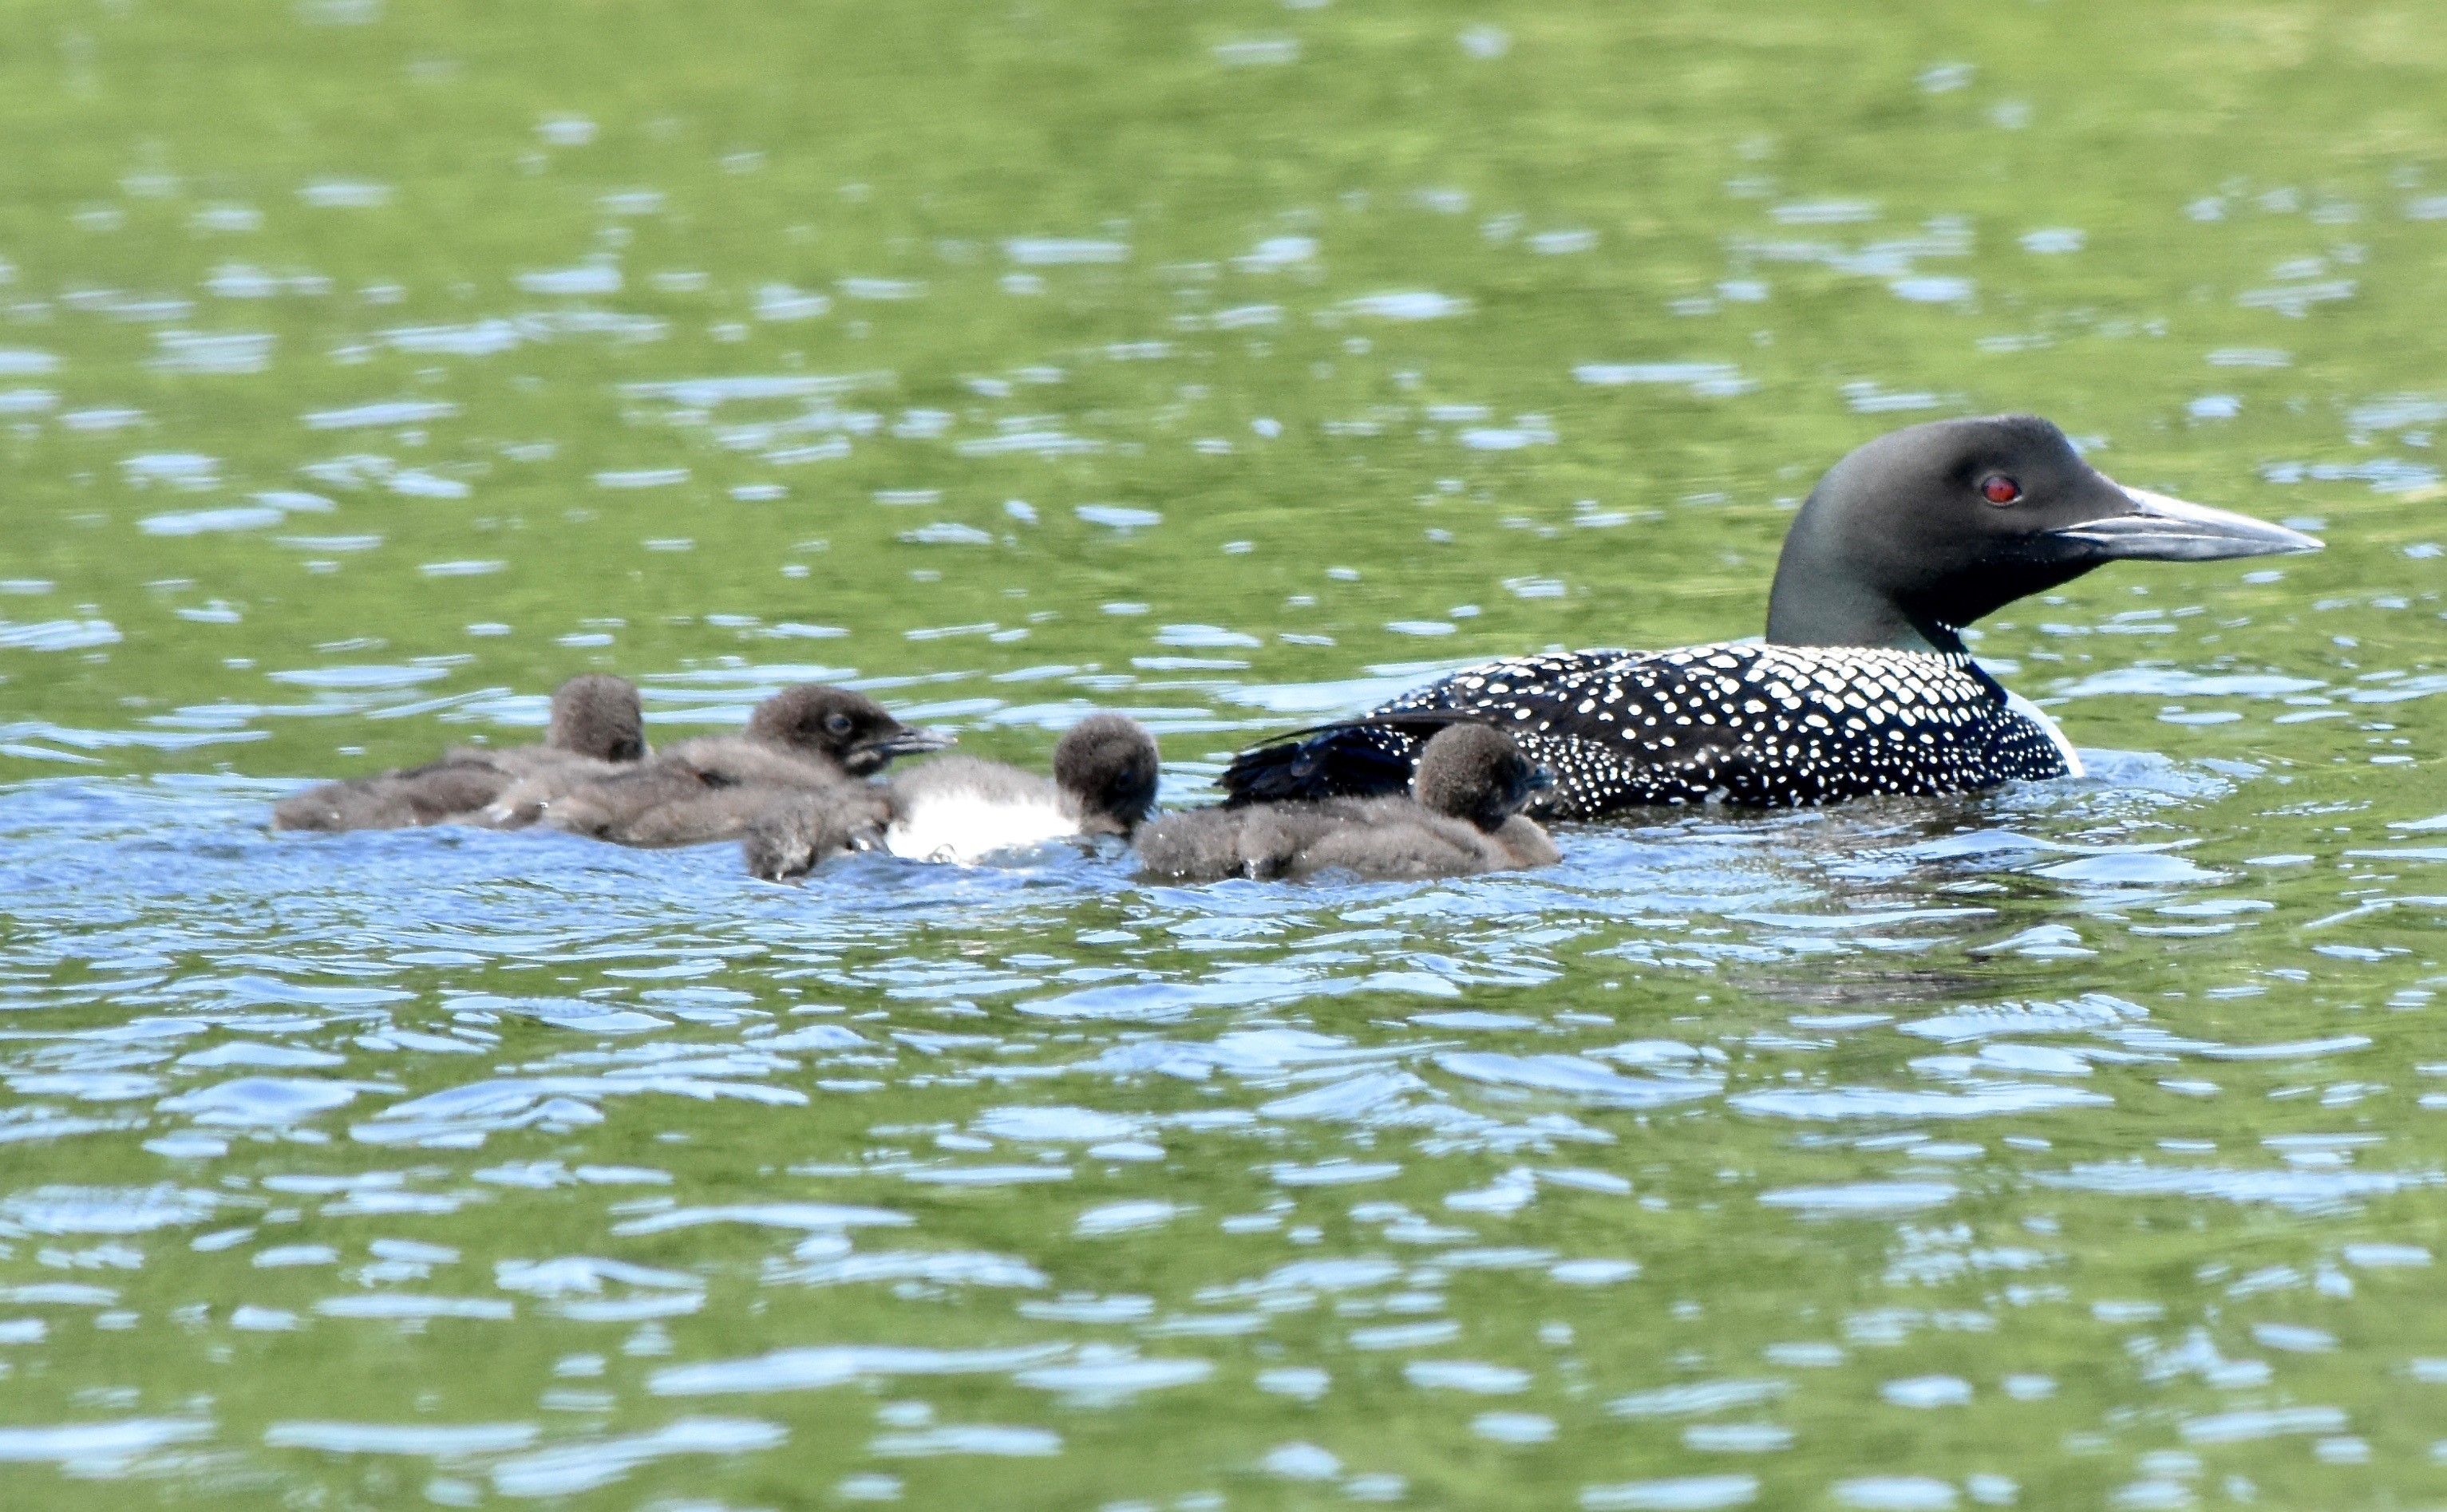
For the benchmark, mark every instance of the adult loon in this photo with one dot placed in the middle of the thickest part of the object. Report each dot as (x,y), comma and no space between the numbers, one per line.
(596,730)
(961,808)
(803,738)
(1472,782)
(1863,685)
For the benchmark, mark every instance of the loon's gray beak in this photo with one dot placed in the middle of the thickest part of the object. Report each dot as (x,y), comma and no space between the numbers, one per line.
(2164,529)
(906,742)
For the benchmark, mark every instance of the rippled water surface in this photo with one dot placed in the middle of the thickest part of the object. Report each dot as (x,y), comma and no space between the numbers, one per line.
(368,366)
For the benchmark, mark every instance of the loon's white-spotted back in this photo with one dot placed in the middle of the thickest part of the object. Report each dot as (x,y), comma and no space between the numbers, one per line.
(1753,724)
(1864,685)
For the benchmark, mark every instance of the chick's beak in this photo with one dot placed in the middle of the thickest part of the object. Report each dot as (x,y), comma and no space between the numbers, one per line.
(905,740)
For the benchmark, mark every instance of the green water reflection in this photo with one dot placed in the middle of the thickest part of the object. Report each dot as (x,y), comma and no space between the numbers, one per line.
(368,366)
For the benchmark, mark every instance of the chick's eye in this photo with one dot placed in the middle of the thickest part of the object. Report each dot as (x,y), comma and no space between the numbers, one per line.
(838,724)
(1998,489)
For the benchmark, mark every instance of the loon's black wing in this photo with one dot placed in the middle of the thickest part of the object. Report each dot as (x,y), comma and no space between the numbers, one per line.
(1372,757)
(1377,753)
(1746,724)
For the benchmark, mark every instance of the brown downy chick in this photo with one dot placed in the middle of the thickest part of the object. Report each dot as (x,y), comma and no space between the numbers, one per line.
(597,727)
(795,833)
(804,738)
(960,808)
(1467,818)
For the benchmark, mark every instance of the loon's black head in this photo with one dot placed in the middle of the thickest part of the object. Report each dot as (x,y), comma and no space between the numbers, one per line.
(598,715)
(1475,773)
(851,729)
(1108,763)
(1923,531)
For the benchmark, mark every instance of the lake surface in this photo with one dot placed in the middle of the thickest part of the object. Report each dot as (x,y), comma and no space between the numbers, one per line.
(367,368)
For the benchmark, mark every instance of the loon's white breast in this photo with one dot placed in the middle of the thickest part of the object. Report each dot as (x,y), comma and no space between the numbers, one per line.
(2056,734)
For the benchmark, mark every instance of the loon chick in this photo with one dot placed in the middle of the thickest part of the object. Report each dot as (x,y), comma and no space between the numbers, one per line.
(1472,782)
(793,834)
(958,809)
(597,730)
(1863,685)
(804,738)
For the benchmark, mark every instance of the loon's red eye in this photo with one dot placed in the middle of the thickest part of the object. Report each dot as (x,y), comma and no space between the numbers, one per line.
(1998,489)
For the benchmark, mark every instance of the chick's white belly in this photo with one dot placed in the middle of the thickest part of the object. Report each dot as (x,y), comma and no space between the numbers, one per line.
(963,828)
